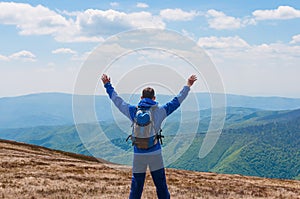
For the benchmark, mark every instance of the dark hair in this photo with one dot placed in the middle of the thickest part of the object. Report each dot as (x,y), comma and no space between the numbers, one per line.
(148,93)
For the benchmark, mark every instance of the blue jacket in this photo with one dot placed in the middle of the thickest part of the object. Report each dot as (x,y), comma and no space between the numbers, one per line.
(159,112)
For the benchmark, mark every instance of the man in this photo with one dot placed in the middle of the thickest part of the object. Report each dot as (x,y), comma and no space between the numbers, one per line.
(152,156)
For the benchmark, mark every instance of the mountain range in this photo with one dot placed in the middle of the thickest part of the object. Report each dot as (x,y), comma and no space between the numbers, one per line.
(56,108)
(260,136)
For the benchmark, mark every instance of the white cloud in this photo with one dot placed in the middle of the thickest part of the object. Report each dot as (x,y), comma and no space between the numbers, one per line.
(38,20)
(142,5)
(145,20)
(4,58)
(236,47)
(91,25)
(222,42)
(64,51)
(75,56)
(282,12)
(30,20)
(114,4)
(220,21)
(237,51)
(23,55)
(177,14)
(295,39)
(277,50)
(80,57)
(99,22)
(264,69)
(188,34)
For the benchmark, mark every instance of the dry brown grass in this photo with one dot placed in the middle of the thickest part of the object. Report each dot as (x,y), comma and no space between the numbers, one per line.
(34,172)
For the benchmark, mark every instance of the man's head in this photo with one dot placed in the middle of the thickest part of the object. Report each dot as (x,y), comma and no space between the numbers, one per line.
(148,93)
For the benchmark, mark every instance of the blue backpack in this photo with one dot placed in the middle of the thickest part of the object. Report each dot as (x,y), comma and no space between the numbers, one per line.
(144,135)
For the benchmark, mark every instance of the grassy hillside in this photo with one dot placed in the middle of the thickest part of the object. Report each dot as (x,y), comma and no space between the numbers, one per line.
(267,150)
(28,171)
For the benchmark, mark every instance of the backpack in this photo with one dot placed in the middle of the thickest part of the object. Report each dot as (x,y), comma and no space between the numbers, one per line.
(144,135)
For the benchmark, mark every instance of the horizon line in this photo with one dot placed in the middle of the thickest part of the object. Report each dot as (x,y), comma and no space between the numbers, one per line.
(68,93)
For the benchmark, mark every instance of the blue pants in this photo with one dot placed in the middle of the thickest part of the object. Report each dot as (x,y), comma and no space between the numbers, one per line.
(154,161)
(159,179)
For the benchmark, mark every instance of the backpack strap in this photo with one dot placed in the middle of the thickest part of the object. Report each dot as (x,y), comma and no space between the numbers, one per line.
(159,136)
(129,136)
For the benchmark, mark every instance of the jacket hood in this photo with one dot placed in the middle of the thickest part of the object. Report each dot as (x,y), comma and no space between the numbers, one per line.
(147,103)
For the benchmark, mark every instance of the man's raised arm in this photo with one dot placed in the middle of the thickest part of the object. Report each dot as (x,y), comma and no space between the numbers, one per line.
(171,106)
(117,100)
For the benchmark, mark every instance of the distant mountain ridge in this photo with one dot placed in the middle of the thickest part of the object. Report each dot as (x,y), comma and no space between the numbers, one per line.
(53,109)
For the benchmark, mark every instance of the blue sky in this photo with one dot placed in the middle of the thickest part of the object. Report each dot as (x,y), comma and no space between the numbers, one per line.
(254,44)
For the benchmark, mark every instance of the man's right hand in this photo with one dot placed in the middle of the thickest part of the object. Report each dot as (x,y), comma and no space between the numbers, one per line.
(191,80)
(105,79)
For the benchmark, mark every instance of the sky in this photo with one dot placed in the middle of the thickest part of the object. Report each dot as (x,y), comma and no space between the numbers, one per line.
(254,44)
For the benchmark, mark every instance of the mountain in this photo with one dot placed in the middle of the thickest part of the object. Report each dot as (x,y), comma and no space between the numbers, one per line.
(48,109)
(269,150)
(241,117)
(52,109)
(253,142)
(29,171)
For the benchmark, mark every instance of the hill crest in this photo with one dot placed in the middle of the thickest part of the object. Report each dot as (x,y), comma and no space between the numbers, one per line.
(30,171)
